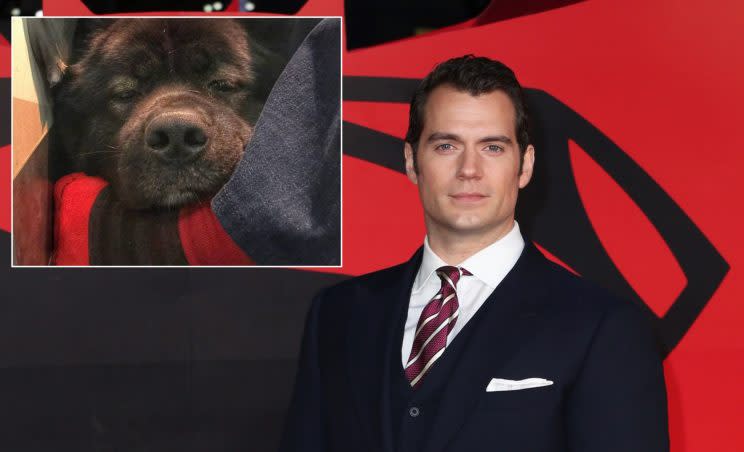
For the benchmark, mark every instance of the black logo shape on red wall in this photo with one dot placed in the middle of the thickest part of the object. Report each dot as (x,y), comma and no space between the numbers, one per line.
(551,211)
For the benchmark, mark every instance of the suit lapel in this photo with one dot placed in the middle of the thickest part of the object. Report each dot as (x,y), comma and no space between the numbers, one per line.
(511,311)
(371,345)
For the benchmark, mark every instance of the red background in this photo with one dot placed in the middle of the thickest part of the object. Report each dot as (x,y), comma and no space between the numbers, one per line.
(662,80)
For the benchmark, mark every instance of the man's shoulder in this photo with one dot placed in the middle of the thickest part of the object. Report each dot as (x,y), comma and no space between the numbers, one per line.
(367,282)
(569,292)
(366,293)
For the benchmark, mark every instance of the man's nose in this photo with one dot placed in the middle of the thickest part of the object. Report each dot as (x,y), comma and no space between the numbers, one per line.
(471,166)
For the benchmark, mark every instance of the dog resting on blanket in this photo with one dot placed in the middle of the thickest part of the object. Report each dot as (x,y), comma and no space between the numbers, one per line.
(159,108)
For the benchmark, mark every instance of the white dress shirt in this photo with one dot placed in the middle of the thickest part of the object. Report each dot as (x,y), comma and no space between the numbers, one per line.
(489,266)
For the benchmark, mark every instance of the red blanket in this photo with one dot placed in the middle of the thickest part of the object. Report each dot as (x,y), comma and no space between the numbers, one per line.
(92,228)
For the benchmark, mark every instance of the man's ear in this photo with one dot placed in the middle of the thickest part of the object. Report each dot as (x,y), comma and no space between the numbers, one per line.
(410,165)
(528,164)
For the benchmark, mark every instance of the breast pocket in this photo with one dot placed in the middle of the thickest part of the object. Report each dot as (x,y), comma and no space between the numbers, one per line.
(537,400)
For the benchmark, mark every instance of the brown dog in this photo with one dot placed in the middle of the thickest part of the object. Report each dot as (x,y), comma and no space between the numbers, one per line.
(160,108)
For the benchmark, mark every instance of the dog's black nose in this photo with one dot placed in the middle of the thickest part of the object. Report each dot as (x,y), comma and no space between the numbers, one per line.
(176,138)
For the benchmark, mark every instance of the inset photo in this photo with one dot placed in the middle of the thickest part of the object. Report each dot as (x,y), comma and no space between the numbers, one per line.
(176,141)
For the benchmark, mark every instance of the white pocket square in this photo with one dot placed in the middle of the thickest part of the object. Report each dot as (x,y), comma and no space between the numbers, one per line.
(500,384)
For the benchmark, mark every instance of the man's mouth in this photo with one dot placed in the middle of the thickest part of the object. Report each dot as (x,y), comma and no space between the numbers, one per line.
(468,196)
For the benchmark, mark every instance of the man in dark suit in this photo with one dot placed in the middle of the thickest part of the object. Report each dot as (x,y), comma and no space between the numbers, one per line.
(478,343)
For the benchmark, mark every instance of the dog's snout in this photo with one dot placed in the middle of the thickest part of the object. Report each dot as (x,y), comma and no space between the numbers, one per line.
(176,137)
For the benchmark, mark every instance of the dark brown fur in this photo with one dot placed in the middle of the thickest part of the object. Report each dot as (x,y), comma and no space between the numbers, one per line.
(133,72)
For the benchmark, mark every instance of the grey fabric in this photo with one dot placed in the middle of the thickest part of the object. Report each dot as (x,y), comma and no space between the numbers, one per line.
(282,205)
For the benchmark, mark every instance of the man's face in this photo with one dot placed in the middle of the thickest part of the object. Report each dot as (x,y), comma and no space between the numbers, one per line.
(468,164)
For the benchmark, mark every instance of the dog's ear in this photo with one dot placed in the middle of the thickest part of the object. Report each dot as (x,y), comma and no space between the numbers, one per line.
(49,46)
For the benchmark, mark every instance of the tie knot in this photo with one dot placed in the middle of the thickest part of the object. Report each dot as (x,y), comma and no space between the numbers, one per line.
(451,275)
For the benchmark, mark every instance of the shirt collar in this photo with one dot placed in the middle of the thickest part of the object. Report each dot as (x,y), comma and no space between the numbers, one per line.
(490,265)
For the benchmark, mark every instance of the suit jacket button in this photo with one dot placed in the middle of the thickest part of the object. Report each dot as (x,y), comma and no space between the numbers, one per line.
(414,411)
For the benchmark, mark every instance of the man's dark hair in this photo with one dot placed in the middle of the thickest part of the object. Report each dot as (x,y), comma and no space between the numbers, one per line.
(476,76)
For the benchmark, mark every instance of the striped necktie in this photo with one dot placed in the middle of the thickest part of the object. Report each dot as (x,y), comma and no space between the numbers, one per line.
(436,321)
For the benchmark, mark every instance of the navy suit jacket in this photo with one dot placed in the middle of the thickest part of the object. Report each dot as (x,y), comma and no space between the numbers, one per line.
(608,392)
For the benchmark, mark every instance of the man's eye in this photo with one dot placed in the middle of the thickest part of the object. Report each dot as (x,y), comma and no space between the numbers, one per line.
(445,147)
(126,95)
(222,86)
(494,148)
